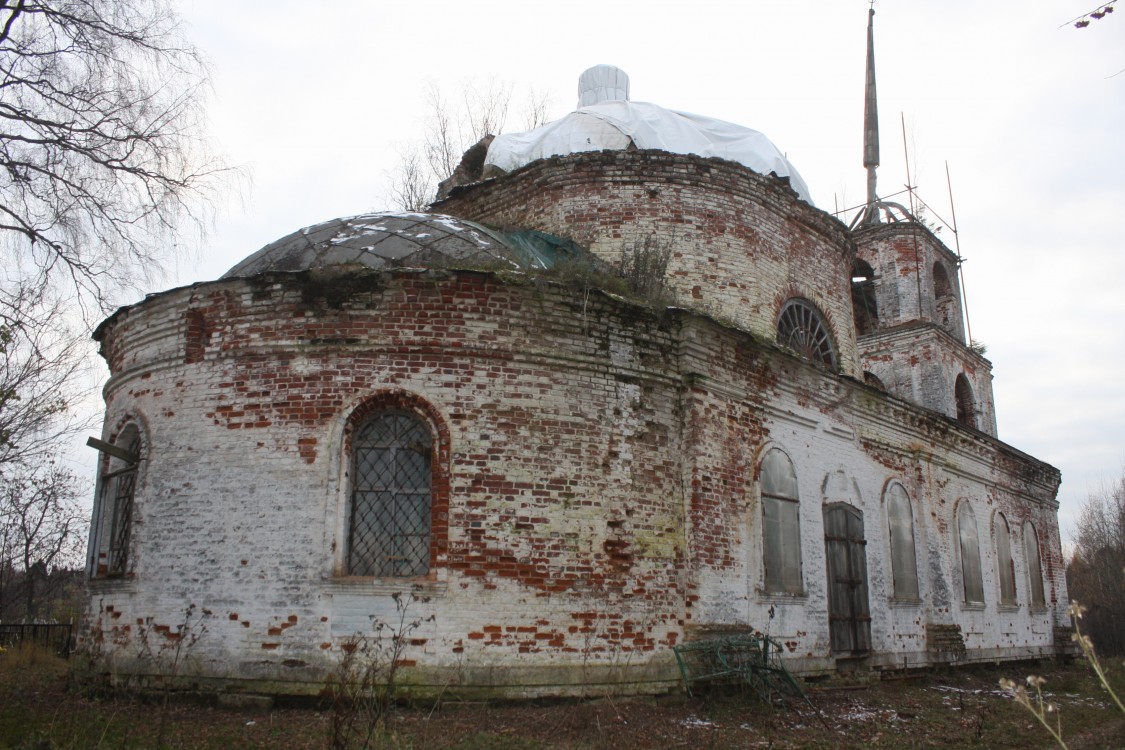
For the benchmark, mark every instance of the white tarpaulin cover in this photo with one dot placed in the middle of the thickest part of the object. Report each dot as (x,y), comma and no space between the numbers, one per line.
(602,83)
(612,124)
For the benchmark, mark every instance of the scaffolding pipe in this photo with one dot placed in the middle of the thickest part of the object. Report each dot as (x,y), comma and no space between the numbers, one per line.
(960,268)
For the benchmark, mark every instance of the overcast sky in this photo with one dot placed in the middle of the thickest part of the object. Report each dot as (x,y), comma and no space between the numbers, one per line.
(316,99)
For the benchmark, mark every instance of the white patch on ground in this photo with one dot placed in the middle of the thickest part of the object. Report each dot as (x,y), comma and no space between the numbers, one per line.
(963,691)
(695,722)
(1062,699)
(863,713)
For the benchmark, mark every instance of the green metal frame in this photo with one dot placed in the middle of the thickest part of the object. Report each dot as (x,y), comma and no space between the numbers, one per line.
(754,660)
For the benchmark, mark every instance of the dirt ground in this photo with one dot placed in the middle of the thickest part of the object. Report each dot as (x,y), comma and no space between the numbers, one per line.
(962,708)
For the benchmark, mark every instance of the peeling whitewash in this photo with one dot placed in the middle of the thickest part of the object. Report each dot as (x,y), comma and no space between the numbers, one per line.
(594,483)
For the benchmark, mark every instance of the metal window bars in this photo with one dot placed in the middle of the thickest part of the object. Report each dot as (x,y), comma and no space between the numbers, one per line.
(801,328)
(389,534)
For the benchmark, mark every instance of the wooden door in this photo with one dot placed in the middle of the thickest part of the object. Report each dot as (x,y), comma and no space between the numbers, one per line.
(849,617)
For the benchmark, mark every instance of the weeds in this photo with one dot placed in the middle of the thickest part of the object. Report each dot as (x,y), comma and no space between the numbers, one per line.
(1076,611)
(585,273)
(36,711)
(1044,710)
(1041,709)
(174,644)
(173,649)
(640,274)
(364,687)
(644,266)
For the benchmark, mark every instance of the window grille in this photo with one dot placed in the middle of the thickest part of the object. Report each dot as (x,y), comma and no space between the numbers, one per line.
(389,532)
(118,490)
(801,328)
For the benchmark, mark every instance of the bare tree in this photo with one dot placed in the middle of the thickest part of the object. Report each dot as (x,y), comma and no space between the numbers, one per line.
(535,109)
(446,133)
(1096,574)
(104,173)
(43,373)
(450,131)
(102,166)
(412,185)
(42,529)
(101,161)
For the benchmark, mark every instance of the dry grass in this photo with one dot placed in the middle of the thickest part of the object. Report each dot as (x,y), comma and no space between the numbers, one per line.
(39,710)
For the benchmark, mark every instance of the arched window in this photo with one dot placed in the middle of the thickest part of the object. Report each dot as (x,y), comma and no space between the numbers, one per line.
(801,328)
(781,530)
(391,500)
(864,306)
(115,507)
(1034,568)
(943,295)
(972,582)
(904,564)
(966,407)
(1005,566)
(942,287)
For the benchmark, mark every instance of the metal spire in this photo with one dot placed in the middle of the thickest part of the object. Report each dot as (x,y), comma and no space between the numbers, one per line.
(871,123)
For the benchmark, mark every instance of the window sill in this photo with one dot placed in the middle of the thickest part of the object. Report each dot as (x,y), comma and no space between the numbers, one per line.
(972,606)
(385,586)
(904,602)
(783,597)
(125,583)
(1008,608)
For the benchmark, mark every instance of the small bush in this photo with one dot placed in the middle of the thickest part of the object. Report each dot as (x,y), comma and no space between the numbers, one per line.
(644,266)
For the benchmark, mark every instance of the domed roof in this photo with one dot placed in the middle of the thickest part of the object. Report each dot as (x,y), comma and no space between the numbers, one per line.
(614,123)
(382,240)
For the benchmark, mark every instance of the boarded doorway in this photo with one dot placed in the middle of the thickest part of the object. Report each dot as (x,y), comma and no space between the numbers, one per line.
(849,617)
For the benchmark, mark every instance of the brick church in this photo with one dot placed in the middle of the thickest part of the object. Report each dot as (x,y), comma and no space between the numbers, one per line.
(621,388)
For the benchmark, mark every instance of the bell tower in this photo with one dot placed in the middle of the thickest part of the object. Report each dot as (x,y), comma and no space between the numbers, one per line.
(907,301)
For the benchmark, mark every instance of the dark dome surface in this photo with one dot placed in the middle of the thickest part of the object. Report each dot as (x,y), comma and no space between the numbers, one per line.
(381,240)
